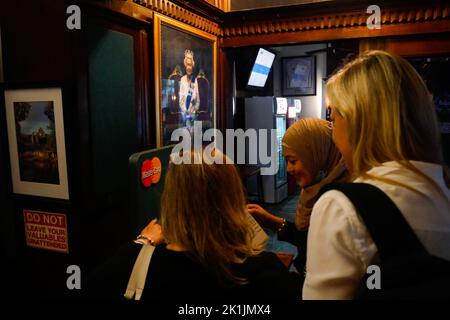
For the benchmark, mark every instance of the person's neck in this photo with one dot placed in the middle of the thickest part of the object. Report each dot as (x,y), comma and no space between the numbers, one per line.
(175,247)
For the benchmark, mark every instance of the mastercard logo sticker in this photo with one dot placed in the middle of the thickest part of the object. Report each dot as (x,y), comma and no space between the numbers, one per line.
(151,172)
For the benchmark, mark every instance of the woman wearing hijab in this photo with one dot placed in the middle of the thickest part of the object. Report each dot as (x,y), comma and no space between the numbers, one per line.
(314,161)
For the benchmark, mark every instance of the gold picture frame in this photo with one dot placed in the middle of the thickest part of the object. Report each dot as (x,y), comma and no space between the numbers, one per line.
(185,63)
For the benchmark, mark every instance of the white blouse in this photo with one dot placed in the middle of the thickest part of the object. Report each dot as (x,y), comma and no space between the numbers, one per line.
(339,246)
(185,86)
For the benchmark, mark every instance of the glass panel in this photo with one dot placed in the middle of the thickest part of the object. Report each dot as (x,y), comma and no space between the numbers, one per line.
(435,71)
(281,129)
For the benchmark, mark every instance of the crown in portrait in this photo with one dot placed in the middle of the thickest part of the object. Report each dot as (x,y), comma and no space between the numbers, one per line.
(188,54)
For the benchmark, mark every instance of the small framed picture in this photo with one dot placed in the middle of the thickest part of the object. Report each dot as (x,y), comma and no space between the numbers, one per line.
(299,76)
(36,139)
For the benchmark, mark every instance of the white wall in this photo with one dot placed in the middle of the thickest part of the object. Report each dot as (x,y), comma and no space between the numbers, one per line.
(312,106)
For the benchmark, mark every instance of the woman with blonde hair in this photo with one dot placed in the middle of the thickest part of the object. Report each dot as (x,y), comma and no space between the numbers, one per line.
(314,161)
(386,129)
(205,245)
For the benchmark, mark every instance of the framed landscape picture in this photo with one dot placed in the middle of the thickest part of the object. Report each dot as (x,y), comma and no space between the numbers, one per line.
(36,139)
(185,77)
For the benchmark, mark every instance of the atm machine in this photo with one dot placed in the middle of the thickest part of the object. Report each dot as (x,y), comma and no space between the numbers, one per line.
(147,171)
(269,113)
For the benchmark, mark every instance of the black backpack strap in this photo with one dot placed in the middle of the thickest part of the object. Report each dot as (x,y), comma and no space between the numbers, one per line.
(384,221)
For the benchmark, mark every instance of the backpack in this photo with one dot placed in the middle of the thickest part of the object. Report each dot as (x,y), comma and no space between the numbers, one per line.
(407,270)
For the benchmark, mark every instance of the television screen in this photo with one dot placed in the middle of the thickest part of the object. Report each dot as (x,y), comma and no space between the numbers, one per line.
(261,68)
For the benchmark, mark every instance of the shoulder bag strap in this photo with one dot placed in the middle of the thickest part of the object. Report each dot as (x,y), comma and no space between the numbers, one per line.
(139,274)
(384,221)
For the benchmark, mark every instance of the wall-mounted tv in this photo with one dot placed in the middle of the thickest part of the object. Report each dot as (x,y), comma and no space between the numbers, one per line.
(261,68)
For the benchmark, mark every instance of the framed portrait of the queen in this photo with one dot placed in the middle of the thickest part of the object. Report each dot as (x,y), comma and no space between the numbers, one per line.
(185,78)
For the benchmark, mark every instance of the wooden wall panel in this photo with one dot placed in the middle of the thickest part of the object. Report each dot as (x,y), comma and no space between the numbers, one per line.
(322,35)
(423,46)
(177,12)
(413,46)
(336,23)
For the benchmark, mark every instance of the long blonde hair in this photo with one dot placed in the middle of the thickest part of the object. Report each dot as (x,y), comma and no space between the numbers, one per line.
(203,210)
(389,113)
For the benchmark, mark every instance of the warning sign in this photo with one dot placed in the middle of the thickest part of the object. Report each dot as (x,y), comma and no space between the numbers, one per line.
(46,230)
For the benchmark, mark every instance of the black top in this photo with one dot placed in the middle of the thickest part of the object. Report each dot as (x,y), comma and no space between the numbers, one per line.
(298,238)
(176,276)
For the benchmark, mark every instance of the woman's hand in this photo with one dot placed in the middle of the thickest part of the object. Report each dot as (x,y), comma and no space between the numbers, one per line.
(153,231)
(265,219)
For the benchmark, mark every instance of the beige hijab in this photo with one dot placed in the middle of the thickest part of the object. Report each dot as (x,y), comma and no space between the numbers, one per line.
(310,139)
